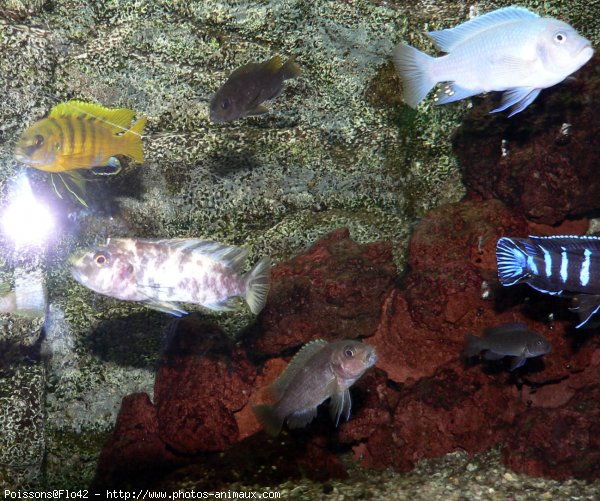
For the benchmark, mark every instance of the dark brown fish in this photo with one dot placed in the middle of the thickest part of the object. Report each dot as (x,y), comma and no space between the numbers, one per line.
(248,87)
(320,370)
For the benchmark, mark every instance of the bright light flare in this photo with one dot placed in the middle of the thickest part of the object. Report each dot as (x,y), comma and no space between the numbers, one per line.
(26,220)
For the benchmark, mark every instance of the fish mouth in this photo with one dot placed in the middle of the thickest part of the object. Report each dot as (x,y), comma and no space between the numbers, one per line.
(77,275)
(586,48)
(215,118)
(24,159)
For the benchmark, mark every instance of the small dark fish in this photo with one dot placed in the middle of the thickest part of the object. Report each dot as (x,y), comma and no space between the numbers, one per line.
(507,340)
(248,87)
(320,370)
(554,265)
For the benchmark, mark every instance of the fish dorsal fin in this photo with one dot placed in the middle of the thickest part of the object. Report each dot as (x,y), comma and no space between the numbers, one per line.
(118,119)
(228,255)
(447,40)
(296,365)
(570,242)
(506,328)
(273,65)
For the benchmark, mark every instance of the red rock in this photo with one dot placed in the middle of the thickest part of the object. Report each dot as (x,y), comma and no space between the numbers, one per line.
(372,406)
(333,291)
(203,380)
(135,452)
(547,174)
(452,263)
(246,420)
(420,401)
(558,443)
(454,409)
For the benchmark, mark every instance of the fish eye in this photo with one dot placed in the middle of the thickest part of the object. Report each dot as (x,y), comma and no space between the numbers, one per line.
(348,352)
(225,104)
(560,37)
(38,140)
(101,259)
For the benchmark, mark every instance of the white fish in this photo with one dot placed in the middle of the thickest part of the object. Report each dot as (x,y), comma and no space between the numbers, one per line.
(162,273)
(509,49)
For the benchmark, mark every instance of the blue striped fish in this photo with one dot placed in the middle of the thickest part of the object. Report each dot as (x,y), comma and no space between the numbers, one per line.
(554,265)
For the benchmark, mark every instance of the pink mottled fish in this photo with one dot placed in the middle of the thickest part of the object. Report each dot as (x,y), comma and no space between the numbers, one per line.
(163,273)
(320,370)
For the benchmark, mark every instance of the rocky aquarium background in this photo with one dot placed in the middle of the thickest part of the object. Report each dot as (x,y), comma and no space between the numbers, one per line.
(337,150)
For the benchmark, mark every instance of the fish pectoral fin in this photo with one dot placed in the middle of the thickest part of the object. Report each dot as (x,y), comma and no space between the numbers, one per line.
(587,305)
(166,307)
(340,404)
(301,418)
(258,110)
(519,98)
(451,92)
(516,362)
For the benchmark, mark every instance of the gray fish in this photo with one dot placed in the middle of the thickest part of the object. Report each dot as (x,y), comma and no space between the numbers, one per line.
(248,87)
(510,339)
(162,273)
(320,370)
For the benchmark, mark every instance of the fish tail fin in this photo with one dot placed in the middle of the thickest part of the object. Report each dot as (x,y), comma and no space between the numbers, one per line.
(413,66)
(257,285)
(512,262)
(473,346)
(133,141)
(290,69)
(268,418)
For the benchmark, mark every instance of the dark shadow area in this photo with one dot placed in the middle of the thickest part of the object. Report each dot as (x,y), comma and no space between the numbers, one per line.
(101,193)
(231,161)
(131,341)
(259,459)
(535,305)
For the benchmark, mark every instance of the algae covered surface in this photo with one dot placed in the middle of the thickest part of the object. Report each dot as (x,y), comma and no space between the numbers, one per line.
(338,148)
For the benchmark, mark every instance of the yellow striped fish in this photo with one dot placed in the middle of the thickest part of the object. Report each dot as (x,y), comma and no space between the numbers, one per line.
(78,135)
